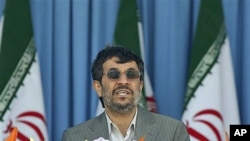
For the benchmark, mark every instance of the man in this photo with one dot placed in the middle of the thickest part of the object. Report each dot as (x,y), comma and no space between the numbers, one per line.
(118,80)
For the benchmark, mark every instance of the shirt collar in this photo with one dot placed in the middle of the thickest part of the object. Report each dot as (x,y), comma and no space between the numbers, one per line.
(110,123)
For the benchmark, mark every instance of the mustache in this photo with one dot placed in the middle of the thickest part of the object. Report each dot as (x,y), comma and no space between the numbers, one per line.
(122,87)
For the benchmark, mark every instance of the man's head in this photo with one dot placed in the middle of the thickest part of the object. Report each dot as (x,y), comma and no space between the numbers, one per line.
(118,78)
(124,55)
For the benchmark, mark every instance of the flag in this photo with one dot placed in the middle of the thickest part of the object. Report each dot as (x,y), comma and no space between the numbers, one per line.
(128,33)
(211,98)
(21,97)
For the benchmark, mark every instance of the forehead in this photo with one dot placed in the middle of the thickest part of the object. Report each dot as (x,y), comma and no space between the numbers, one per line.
(112,63)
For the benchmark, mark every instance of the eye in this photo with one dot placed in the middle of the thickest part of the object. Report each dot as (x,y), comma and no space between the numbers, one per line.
(113,74)
(133,74)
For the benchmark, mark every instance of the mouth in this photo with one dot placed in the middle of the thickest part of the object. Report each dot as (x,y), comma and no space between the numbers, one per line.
(122,92)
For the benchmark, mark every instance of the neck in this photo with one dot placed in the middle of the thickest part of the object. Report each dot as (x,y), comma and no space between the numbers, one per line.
(121,120)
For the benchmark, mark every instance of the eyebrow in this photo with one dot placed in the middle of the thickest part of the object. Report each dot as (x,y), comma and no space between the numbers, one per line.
(126,70)
(112,69)
(131,69)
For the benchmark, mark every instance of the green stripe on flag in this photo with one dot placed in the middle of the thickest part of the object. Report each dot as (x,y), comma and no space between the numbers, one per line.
(126,31)
(17,33)
(207,44)
(17,50)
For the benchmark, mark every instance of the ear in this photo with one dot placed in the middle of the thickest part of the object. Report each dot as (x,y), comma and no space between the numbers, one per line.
(98,87)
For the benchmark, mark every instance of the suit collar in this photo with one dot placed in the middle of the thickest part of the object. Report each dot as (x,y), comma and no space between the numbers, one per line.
(145,126)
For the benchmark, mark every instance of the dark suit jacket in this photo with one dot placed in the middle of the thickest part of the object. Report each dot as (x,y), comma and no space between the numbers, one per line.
(154,127)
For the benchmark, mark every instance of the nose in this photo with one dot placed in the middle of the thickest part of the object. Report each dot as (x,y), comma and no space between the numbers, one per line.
(123,79)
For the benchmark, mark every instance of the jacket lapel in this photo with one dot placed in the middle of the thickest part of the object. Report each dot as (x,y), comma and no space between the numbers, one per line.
(145,125)
(98,129)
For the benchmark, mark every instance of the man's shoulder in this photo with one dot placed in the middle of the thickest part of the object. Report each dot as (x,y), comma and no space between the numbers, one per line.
(164,126)
(159,118)
(165,118)
(91,123)
(89,129)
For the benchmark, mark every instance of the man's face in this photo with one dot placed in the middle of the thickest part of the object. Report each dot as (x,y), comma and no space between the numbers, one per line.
(122,92)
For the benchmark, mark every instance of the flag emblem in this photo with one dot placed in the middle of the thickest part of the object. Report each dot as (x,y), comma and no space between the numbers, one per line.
(29,119)
(201,118)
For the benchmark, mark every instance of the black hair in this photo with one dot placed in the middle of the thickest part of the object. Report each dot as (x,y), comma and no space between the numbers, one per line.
(125,55)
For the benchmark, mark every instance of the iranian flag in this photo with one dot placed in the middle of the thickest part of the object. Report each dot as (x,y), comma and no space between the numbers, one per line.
(211,98)
(21,97)
(128,33)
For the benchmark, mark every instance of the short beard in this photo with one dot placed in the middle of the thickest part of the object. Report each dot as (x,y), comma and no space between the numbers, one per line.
(119,108)
(116,107)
